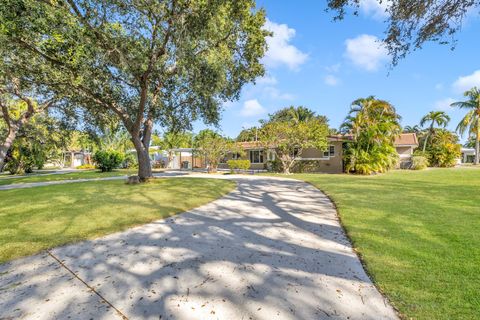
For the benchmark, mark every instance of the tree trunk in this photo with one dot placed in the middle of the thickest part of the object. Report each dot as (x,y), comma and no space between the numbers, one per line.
(144,165)
(7,143)
(477,149)
(425,143)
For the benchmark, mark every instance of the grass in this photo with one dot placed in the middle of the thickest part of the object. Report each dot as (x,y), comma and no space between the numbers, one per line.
(418,233)
(43,217)
(90,174)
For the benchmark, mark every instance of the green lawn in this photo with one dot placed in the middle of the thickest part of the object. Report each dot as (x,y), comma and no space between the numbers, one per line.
(90,174)
(419,235)
(43,217)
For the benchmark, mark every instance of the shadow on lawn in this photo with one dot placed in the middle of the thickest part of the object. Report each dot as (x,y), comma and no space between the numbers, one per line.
(254,253)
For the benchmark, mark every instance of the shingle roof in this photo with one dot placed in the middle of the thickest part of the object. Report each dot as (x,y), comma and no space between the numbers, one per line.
(406,139)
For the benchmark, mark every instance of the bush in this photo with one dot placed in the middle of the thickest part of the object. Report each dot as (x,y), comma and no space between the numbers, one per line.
(130,161)
(108,160)
(86,166)
(419,162)
(238,164)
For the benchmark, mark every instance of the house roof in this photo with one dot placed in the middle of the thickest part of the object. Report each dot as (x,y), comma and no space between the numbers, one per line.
(256,144)
(406,139)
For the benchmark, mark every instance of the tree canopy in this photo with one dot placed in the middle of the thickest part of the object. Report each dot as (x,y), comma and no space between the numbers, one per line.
(374,126)
(290,131)
(143,61)
(470,123)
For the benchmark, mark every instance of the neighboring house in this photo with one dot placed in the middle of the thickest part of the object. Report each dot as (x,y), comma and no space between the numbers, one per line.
(73,159)
(405,144)
(468,155)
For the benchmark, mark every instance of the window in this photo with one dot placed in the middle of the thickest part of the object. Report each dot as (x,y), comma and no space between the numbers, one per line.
(256,156)
(330,152)
(236,156)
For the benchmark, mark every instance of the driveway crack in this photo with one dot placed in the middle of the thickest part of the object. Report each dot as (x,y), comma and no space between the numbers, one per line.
(119,313)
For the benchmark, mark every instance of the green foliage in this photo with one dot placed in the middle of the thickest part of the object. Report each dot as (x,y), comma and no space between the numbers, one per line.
(442,150)
(213,146)
(438,118)
(300,128)
(374,125)
(129,161)
(295,115)
(471,121)
(40,140)
(108,160)
(86,167)
(238,164)
(249,134)
(419,162)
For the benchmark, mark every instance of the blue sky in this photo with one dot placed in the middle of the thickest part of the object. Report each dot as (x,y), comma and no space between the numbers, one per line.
(325,65)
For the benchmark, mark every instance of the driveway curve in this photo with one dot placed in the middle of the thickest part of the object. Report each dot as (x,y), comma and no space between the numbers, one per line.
(271,249)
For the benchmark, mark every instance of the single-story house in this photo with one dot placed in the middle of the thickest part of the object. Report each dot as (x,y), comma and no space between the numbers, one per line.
(315,160)
(311,159)
(73,158)
(329,161)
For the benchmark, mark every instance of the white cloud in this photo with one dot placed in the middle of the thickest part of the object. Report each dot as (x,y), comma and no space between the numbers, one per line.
(331,80)
(366,52)
(465,83)
(280,51)
(268,80)
(375,8)
(274,93)
(252,108)
(444,104)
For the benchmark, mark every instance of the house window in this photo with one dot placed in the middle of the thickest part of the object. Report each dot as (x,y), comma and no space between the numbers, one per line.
(256,156)
(295,152)
(236,156)
(330,152)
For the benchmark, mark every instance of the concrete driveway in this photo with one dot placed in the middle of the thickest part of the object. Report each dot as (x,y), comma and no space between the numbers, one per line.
(271,249)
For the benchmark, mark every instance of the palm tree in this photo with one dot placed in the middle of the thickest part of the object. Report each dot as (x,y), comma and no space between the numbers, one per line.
(438,118)
(415,129)
(374,125)
(471,121)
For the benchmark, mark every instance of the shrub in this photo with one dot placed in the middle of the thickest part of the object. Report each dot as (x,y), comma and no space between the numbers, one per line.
(86,166)
(108,160)
(238,164)
(129,161)
(419,162)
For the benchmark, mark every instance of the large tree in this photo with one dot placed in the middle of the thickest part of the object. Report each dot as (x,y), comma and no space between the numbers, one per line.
(143,61)
(21,98)
(290,131)
(212,146)
(439,118)
(471,121)
(412,23)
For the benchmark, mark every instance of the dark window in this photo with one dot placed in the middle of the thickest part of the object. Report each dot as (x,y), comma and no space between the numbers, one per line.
(256,156)
(330,152)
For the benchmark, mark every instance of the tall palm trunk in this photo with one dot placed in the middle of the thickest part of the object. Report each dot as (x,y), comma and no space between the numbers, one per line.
(477,143)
